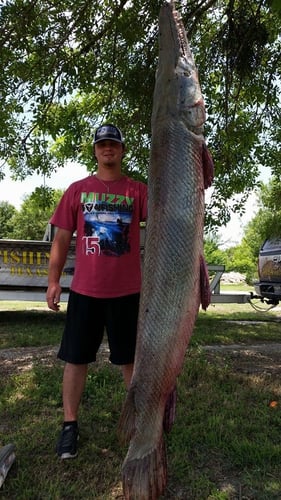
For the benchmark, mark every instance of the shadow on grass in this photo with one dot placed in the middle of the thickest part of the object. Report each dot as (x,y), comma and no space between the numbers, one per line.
(25,328)
(30,328)
(234,328)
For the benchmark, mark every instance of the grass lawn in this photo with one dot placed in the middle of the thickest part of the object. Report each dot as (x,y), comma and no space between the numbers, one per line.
(225,443)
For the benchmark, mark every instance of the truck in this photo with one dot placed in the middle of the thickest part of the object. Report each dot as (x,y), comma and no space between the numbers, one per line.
(268,286)
(24,271)
(24,267)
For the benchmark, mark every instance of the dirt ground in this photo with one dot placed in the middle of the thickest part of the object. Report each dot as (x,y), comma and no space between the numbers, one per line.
(255,359)
(259,358)
(16,360)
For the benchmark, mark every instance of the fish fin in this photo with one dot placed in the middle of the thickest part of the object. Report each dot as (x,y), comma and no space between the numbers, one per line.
(205,291)
(146,477)
(7,458)
(208,166)
(170,410)
(126,424)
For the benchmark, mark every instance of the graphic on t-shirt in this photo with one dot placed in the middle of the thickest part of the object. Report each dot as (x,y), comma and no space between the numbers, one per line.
(107,223)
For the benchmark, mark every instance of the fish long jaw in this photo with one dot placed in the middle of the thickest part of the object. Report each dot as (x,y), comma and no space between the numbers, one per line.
(177,90)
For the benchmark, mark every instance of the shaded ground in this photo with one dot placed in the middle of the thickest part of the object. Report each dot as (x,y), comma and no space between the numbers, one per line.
(16,359)
(252,359)
(259,358)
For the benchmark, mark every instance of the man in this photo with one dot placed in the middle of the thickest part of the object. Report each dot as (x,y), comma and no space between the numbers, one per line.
(105,210)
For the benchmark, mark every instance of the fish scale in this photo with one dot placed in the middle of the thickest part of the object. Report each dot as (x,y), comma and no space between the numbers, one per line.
(174,274)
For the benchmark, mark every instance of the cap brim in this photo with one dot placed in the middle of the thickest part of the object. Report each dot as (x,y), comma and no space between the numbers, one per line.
(108,139)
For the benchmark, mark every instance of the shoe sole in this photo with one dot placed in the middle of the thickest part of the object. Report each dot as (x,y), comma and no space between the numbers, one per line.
(67,455)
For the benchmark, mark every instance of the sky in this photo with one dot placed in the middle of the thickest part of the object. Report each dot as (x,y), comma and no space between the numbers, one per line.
(14,192)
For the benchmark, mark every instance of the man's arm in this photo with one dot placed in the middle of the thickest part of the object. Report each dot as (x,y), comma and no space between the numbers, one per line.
(57,260)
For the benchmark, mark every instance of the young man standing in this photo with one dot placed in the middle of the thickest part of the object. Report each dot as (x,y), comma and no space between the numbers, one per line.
(105,210)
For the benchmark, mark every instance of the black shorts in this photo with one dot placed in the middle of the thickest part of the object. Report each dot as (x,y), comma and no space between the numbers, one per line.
(86,320)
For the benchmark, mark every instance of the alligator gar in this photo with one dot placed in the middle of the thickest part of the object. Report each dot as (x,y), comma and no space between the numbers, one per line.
(175,279)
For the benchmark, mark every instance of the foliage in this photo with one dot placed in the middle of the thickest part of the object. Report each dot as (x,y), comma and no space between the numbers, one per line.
(238,258)
(30,222)
(265,224)
(7,211)
(267,221)
(212,252)
(67,66)
(241,259)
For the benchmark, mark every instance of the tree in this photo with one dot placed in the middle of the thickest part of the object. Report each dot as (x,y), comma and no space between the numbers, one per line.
(67,66)
(212,252)
(267,221)
(241,259)
(265,224)
(7,211)
(30,222)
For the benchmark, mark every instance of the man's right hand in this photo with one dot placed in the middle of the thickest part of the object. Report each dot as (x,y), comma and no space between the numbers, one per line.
(53,297)
(57,259)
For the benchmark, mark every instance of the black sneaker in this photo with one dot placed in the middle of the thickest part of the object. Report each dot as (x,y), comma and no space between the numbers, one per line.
(67,443)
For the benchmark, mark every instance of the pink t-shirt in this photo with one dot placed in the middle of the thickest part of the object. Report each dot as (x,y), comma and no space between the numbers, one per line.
(107,220)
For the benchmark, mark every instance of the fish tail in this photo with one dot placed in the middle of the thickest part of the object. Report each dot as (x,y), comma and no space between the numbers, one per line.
(145,478)
(126,424)
(170,410)
(205,291)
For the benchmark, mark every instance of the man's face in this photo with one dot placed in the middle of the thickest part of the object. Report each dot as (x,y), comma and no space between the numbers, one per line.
(109,153)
